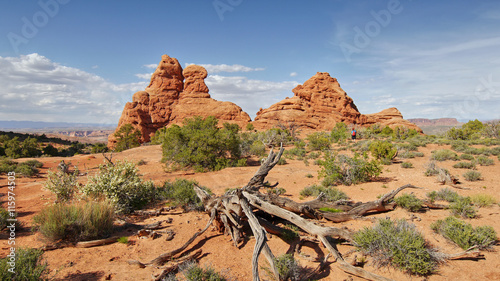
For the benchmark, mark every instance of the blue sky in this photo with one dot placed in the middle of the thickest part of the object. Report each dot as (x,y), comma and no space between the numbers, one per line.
(81,61)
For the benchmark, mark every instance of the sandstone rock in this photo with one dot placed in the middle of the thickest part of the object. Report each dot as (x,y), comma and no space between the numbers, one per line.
(169,99)
(319,104)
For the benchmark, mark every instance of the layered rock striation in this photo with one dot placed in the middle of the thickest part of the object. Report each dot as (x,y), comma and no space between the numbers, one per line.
(173,95)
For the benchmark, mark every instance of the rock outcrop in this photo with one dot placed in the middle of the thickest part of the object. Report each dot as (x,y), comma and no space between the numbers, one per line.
(173,95)
(319,104)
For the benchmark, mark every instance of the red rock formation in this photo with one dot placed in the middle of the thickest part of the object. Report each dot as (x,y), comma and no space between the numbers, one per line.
(172,96)
(319,104)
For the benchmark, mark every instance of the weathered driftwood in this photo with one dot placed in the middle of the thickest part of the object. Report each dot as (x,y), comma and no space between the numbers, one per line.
(100,242)
(174,265)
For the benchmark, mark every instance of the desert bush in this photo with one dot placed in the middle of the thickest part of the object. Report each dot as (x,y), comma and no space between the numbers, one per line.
(484,161)
(181,193)
(319,141)
(193,272)
(397,243)
(406,165)
(483,200)
(332,194)
(464,234)
(403,133)
(75,222)
(443,154)
(418,154)
(127,137)
(462,206)
(288,268)
(432,169)
(29,264)
(342,169)
(63,185)
(25,169)
(339,133)
(121,185)
(404,146)
(472,175)
(464,165)
(466,156)
(309,176)
(249,127)
(405,154)
(445,194)
(295,152)
(383,150)
(444,176)
(200,144)
(409,202)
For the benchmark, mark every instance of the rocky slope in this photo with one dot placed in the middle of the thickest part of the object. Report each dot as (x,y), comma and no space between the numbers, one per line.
(173,95)
(319,104)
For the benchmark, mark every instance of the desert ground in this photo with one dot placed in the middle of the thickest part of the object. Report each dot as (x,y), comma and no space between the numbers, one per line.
(109,262)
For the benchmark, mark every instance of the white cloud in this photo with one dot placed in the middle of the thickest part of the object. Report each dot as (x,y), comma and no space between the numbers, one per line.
(32,87)
(249,94)
(293,74)
(217,68)
(145,76)
(152,66)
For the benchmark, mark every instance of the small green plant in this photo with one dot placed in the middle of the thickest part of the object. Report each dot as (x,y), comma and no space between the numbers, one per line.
(193,272)
(181,193)
(472,175)
(121,185)
(342,169)
(288,268)
(464,234)
(309,176)
(445,194)
(319,141)
(443,155)
(331,193)
(484,161)
(383,150)
(29,265)
(63,185)
(483,200)
(249,127)
(432,169)
(464,165)
(330,210)
(290,233)
(409,202)
(463,207)
(419,154)
(406,165)
(466,156)
(123,240)
(75,222)
(397,243)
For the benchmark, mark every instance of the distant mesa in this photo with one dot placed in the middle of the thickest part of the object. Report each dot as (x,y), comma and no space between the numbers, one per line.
(319,104)
(175,94)
(436,122)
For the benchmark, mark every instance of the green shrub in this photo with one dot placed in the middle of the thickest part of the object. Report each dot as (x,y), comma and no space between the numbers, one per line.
(29,266)
(406,165)
(432,169)
(331,193)
(464,165)
(484,161)
(257,148)
(181,193)
(397,243)
(472,175)
(249,127)
(123,240)
(445,194)
(402,133)
(73,222)
(462,206)
(319,141)
(193,272)
(444,176)
(342,169)
(295,152)
(409,202)
(383,150)
(121,185)
(309,176)
(63,185)
(200,144)
(404,154)
(466,156)
(483,200)
(330,210)
(419,154)
(127,137)
(340,133)
(288,267)
(444,154)
(464,234)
